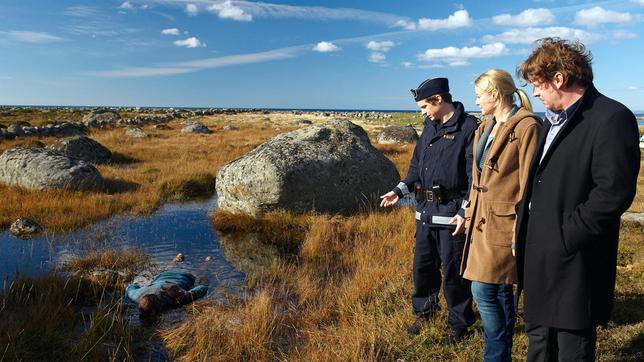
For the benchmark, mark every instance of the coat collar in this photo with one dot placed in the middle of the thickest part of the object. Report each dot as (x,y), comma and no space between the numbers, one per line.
(452,124)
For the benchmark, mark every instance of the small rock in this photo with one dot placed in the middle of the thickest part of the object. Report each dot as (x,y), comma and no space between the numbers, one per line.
(162,127)
(196,128)
(230,127)
(179,258)
(136,132)
(24,227)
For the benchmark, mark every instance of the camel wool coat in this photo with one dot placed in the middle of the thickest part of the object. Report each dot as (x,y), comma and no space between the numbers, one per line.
(496,191)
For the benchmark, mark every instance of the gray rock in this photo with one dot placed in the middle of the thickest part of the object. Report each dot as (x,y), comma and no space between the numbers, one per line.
(24,227)
(302,122)
(16,129)
(195,128)
(136,132)
(82,148)
(230,127)
(396,135)
(42,169)
(326,168)
(634,218)
(101,118)
(161,127)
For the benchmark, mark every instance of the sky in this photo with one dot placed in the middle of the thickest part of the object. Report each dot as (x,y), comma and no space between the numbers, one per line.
(296,54)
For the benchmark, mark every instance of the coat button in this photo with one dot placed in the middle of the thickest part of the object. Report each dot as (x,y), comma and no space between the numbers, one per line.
(538,180)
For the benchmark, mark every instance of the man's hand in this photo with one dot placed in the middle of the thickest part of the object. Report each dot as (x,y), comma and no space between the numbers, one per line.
(388,199)
(460,224)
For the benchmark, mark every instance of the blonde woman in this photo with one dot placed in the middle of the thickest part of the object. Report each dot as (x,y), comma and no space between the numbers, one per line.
(503,148)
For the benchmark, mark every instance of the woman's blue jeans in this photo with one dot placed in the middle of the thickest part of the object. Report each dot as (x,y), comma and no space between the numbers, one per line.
(495,303)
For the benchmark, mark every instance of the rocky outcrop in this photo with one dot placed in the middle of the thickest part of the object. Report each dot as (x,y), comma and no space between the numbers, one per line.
(195,128)
(42,169)
(136,132)
(24,228)
(230,127)
(397,135)
(82,148)
(327,168)
(101,118)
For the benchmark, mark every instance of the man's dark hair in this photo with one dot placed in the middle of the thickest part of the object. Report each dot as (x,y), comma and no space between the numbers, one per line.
(552,55)
(149,306)
(447,98)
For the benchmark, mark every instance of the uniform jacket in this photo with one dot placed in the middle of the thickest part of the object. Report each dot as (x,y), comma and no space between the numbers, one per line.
(185,280)
(495,194)
(568,222)
(443,156)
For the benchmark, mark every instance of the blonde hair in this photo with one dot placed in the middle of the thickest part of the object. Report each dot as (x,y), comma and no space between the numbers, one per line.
(500,82)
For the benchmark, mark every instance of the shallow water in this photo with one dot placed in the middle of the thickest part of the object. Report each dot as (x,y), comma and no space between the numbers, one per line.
(175,228)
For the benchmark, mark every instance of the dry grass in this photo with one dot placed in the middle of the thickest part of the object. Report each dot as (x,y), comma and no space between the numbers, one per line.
(146,173)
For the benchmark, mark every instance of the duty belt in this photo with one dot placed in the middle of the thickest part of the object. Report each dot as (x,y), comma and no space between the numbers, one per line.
(431,196)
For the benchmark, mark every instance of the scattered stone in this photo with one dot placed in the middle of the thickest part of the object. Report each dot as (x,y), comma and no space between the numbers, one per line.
(16,129)
(101,118)
(82,148)
(633,217)
(43,169)
(196,128)
(325,168)
(179,258)
(24,227)
(136,132)
(208,258)
(302,122)
(230,127)
(397,135)
(161,127)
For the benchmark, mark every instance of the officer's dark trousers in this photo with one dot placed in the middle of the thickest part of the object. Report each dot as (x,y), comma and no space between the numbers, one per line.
(433,247)
(547,344)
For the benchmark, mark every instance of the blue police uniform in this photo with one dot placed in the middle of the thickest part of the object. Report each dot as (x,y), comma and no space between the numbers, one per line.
(442,160)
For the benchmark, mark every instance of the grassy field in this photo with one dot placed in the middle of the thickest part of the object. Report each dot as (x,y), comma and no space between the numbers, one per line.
(320,287)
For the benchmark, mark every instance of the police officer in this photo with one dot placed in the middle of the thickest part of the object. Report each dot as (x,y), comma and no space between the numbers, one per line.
(439,175)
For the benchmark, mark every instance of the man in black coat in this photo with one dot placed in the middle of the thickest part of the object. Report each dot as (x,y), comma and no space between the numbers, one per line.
(582,178)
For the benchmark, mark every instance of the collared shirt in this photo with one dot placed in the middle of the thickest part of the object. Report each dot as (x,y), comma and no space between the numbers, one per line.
(557,121)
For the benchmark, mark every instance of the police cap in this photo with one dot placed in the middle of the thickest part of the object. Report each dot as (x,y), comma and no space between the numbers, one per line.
(430,87)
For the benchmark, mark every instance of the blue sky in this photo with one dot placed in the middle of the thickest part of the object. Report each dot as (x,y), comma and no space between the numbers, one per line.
(295,54)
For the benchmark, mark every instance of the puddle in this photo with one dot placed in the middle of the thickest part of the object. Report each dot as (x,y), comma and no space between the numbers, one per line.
(175,228)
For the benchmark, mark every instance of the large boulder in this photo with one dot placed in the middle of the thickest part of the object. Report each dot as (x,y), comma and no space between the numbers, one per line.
(195,128)
(396,135)
(43,169)
(136,132)
(101,118)
(82,148)
(326,168)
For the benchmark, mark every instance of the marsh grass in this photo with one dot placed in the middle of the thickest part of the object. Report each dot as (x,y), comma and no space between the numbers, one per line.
(71,316)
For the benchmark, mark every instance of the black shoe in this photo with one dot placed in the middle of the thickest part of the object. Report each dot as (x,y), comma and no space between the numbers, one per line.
(415,327)
(456,336)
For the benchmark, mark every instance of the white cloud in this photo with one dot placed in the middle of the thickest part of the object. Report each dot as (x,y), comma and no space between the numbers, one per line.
(170,31)
(460,19)
(407,64)
(377,57)
(227,10)
(191,42)
(197,65)
(632,88)
(528,17)
(458,63)
(325,47)
(405,24)
(31,36)
(380,46)
(145,6)
(529,35)
(192,9)
(126,5)
(80,11)
(621,34)
(598,15)
(641,2)
(453,54)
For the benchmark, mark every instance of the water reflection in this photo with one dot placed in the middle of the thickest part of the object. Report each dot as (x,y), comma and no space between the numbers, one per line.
(174,228)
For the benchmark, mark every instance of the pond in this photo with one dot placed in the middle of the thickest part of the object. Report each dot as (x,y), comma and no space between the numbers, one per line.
(175,228)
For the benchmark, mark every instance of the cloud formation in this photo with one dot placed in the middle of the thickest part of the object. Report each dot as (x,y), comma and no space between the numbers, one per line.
(458,56)
(192,9)
(598,15)
(126,5)
(170,31)
(31,37)
(191,42)
(325,47)
(528,17)
(460,19)
(80,11)
(227,10)
(529,35)
(380,46)
(201,64)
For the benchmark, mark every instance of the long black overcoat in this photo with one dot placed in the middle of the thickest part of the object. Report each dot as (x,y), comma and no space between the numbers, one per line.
(569,217)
